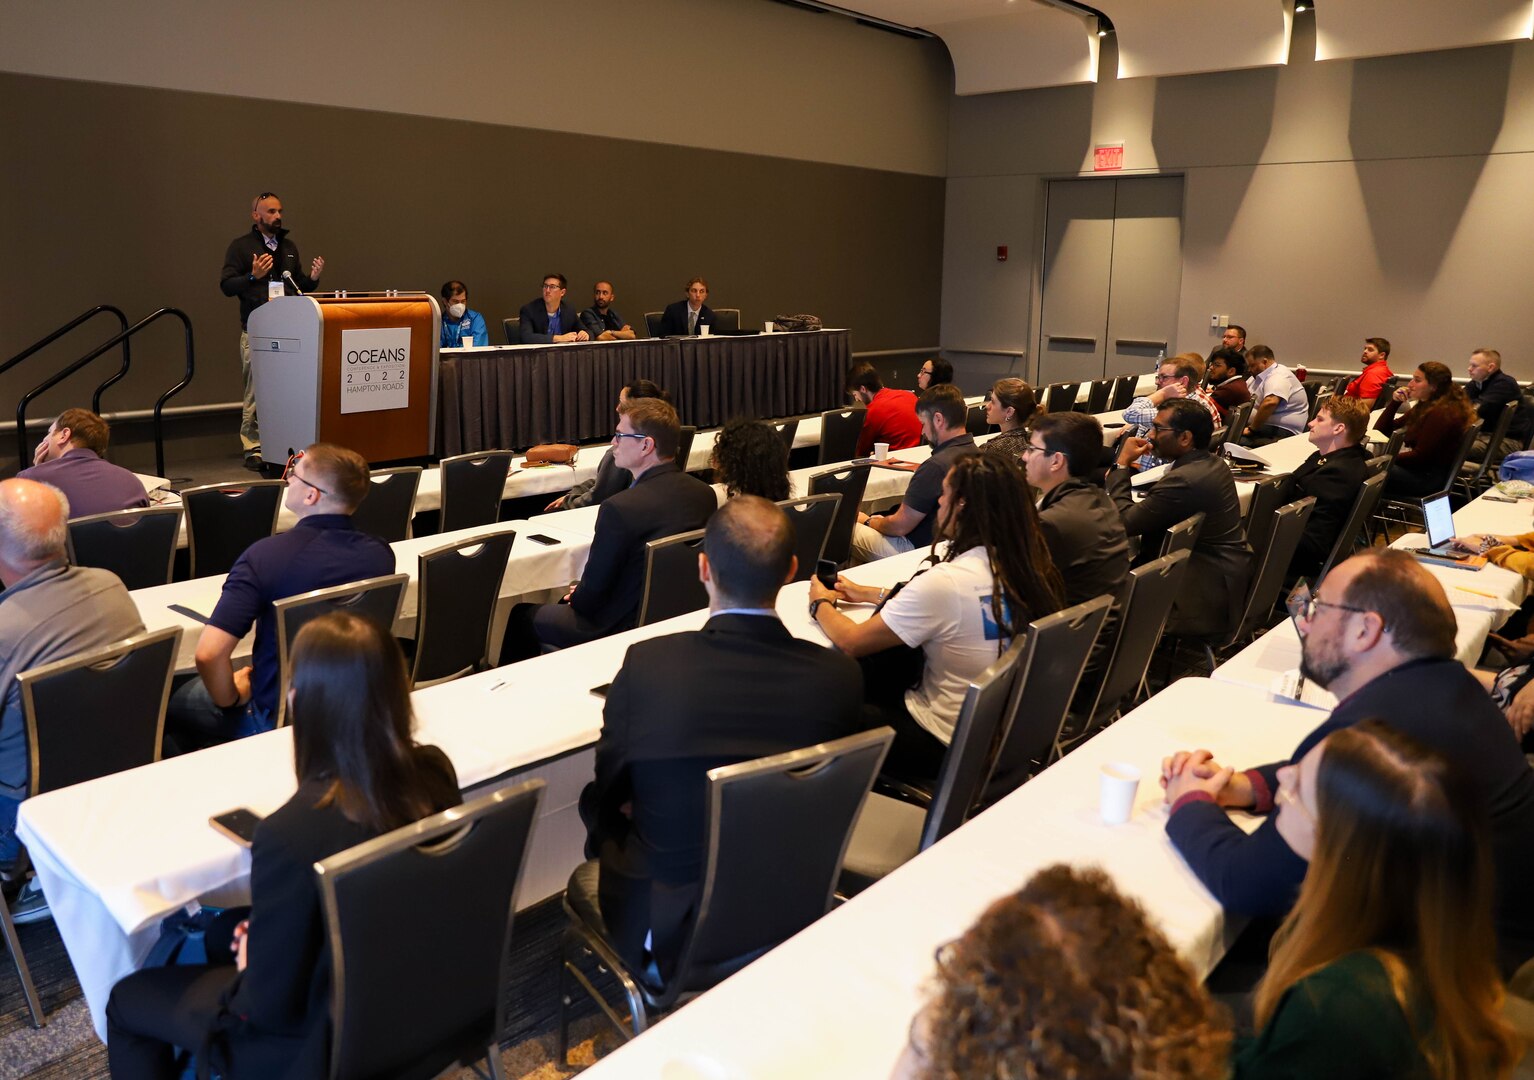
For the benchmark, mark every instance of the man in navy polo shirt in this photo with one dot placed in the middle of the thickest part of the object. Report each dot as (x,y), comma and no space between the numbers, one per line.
(325,484)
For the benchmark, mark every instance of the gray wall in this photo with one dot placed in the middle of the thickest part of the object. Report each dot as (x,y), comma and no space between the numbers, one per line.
(1324,202)
(812,151)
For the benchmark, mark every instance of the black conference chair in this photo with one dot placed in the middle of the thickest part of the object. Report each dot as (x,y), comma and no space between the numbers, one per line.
(684,446)
(465,863)
(671,585)
(892,831)
(389,505)
(787,430)
(139,546)
(727,320)
(512,328)
(975,422)
(1470,478)
(1357,520)
(378,599)
(1183,535)
(1239,418)
(1258,521)
(1097,395)
(652,322)
(1123,393)
(89,716)
(1061,397)
(839,431)
(473,486)
(457,587)
(1408,511)
(1319,399)
(222,520)
(813,517)
(849,483)
(776,832)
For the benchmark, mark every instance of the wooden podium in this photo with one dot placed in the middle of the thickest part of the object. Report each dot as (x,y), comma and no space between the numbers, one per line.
(359,371)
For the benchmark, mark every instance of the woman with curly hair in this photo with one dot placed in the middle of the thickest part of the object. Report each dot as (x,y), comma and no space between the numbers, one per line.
(931,635)
(1066,978)
(1009,406)
(1385,966)
(1435,429)
(750,459)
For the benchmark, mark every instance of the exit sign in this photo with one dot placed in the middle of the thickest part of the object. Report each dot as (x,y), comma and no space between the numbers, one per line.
(1107,157)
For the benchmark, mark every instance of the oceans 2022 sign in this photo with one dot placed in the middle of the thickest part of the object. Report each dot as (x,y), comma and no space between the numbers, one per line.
(375,369)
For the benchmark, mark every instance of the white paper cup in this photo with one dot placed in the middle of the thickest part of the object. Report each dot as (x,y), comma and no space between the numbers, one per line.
(881,451)
(767,327)
(704,329)
(1116,791)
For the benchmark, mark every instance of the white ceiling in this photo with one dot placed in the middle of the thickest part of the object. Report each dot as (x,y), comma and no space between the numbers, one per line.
(1021,44)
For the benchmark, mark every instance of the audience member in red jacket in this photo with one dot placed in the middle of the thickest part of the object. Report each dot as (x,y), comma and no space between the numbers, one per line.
(891,413)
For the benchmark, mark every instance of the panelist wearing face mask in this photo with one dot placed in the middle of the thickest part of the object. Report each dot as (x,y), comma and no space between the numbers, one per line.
(460,326)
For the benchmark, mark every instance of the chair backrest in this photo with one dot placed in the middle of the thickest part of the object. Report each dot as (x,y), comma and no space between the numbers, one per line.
(671,585)
(386,510)
(1054,659)
(1363,509)
(975,422)
(849,483)
(1123,392)
(1465,443)
(813,516)
(684,446)
(472,488)
(652,322)
(512,328)
(839,431)
(776,832)
(1217,438)
(1377,465)
(1271,563)
(457,587)
(1266,496)
(376,598)
(1182,536)
(1391,385)
(1235,425)
(727,320)
(465,864)
(1061,397)
(1320,398)
(97,713)
(787,430)
(1397,440)
(1097,395)
(1493,452)
(222,520)
(1145,602)
(968,759)
(139,546)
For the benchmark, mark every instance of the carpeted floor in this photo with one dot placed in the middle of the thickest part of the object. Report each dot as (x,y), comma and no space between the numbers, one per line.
(67,1048)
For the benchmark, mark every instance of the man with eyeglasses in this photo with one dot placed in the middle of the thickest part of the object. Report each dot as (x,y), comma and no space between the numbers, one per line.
(1380,635)
(254,268)
(325,484)
(1179,377)
(547,319)
(662,501)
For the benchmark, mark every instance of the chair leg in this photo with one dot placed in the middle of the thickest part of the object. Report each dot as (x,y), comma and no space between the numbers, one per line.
(12,942)
(1209,655)
(493,1059)
(564,1000)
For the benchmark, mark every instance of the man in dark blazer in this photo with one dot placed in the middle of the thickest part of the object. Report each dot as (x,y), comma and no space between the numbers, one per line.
(750,689)
(548,319)
(685,317)
(661,502)
(1332,475)
(1379,634)
(1214,591)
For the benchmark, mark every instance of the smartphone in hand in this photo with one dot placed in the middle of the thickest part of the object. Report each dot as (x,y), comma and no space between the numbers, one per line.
(825,573)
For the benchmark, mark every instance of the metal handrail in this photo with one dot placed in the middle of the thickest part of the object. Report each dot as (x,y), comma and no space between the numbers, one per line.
(122,338)
(83,317)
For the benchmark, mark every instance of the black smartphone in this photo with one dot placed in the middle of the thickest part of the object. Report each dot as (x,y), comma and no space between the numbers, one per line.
(825,573)
(239,825)
(539,538)
(601,691)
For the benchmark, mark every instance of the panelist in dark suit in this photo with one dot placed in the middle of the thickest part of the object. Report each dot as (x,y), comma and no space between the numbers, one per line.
(1332,476)
(548,319)
(751,689)
(1214,590)
(683,318)
(661,502)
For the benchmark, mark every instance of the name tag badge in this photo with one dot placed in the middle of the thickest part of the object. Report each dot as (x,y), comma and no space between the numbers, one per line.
(276,290)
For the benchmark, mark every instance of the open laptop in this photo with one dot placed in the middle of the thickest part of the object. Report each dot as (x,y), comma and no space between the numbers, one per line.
(1439,518)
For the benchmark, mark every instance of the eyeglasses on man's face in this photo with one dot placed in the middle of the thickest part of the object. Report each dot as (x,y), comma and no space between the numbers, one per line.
(1302,603)
(290,472)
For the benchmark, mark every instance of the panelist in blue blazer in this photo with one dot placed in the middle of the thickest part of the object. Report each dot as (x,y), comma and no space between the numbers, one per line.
(548,319)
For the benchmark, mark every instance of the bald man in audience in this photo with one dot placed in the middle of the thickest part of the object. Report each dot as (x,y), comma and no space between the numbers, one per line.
(70,458)
(751,689)
(1332,475)
(49,611)
(1379,634)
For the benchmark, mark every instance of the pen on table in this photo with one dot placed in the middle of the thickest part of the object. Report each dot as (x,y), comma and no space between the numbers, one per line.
(1478,592)
(498,685)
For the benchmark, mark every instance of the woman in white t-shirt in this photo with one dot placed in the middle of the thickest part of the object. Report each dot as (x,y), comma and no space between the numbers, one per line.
(992,578)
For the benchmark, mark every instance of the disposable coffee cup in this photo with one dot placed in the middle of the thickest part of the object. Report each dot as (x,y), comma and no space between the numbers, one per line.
(767,327)
(704,330)
(881,451)
(1117,785)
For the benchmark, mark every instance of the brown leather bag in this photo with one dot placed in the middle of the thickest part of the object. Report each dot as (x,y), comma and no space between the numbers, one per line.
(551,454)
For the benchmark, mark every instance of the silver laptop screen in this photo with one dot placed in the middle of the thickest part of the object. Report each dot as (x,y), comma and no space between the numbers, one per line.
(1439,518)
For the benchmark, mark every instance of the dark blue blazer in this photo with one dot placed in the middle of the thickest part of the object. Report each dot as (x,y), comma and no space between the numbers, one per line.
(535,322)
(673,321)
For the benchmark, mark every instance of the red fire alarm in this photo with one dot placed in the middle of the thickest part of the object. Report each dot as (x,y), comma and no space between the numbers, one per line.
(1001,253)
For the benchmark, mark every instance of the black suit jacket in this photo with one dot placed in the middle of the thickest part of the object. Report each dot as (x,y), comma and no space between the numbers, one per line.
(663,502)
(1214,591)
(751,689)
(673,321)
(1334,482)
(534,327)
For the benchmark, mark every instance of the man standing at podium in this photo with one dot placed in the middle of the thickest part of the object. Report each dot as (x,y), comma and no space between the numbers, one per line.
(254,269)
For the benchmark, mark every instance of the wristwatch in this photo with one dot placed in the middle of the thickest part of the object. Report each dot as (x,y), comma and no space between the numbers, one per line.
(815,605)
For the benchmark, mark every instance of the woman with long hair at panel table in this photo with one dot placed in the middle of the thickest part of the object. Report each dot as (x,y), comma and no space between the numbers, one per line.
(1435,428)
(1386,965)
(261,1007)
(934,633)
